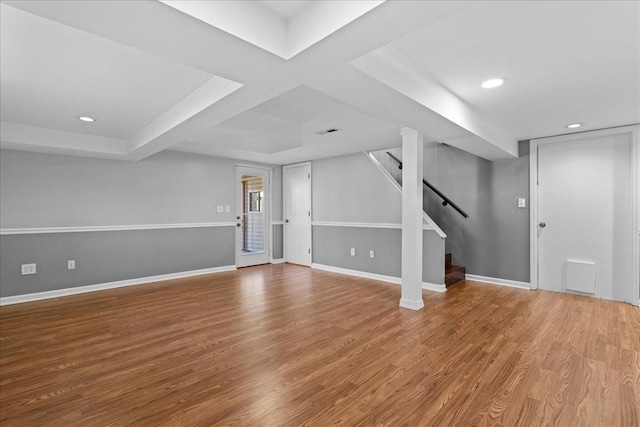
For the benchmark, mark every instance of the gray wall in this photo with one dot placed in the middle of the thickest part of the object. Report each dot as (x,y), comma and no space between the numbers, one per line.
(277,230)
(351,189)
(103,257)
(278,248)
(494,240)
(46,190)
(332,245)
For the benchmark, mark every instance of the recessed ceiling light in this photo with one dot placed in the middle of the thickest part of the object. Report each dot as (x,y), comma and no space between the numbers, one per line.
(574,125)
(87,119)
(491,83)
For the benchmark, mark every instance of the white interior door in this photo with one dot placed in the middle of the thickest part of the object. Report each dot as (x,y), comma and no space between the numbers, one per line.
(297,213)
(584,226)
(253,223)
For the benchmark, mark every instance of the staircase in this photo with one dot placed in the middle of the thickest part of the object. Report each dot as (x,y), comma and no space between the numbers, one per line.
(392,166)
(453,274)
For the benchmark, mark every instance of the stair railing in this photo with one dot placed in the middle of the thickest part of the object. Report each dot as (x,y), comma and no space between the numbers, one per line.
(445,200)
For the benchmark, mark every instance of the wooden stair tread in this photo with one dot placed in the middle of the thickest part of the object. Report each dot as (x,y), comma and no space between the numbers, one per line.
(453,274)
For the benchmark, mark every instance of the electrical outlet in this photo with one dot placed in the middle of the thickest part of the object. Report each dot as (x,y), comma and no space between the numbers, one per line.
(522,203)
(227,209)
(71,264)
(371,254)
(28,269)
(353,251)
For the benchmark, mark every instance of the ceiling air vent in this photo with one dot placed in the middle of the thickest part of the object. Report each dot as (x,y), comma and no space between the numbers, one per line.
(325,131)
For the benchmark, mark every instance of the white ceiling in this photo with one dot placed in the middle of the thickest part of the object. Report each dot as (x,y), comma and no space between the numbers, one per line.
(285,8)
(565,61)
(56,73)
(167,75)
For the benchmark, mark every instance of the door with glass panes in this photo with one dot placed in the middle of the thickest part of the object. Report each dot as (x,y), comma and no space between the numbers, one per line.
(253,229)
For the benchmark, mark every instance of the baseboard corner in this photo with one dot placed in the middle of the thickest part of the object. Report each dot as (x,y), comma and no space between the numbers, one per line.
(412,305)
(433,287)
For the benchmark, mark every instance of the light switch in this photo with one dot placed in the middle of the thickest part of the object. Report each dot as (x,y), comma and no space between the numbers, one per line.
(219,209)
(522,203)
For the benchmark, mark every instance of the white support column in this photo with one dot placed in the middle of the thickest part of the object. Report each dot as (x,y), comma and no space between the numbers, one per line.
(412,161)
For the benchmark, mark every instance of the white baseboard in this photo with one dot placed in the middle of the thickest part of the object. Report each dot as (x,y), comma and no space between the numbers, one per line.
(277,261)
(110,285)
(357,273)
(391,279)
(501,282)
(433,287)
(412,305)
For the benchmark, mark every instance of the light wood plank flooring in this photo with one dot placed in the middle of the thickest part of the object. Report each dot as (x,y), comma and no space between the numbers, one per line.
(286,345)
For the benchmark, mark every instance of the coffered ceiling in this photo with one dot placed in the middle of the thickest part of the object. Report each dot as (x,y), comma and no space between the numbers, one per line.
(255,80)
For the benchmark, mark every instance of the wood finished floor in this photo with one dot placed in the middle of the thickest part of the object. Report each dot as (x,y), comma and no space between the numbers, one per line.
(287,345)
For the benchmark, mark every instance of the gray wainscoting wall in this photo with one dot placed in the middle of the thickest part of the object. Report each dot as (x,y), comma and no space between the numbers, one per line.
(109,256)
(332,246)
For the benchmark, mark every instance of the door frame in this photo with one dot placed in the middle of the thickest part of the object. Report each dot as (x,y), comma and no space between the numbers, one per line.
(634,160)
(284,209)
(268,212)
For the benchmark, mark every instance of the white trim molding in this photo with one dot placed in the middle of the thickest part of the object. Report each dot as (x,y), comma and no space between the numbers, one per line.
(412,305)
(277,261)
(357,273)
(110,285)
(381,277)
(277,222)
(384,171)
(433,287)
(356,224)
(501,282)
(93,228)
(386,225)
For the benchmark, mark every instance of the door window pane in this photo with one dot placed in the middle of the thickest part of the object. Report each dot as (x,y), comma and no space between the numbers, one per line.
(253,218)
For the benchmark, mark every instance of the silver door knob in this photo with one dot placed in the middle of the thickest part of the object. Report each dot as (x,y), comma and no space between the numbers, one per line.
(542,225)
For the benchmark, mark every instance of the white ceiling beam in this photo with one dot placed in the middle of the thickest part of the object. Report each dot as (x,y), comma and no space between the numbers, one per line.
(31,138)
(400,73)
(208,94)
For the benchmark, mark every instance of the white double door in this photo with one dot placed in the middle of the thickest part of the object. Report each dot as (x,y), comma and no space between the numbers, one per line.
(584,223)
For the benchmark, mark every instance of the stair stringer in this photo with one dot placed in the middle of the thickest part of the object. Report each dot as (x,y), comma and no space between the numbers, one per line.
(436,281)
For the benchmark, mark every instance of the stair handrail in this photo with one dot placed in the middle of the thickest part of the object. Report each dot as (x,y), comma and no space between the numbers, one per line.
(445,200)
